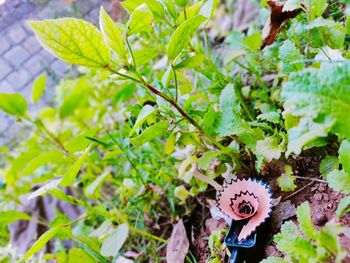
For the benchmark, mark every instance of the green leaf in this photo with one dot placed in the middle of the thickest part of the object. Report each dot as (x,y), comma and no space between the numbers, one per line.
(273,260)
(112,34)
(316,8)
(8,217)
(169,147)
(328,238)
(5,238)
(79,255)
(150,133)
(304,219)
(339,181)
(145,112)
(71,174)
(13,104)
(291,5)
(41,242)
(191,62)
(41,160)
(45,189)
(182,35)
(286,180)
(92,188)
(322,94)
(205,159)
(80,142)
(114,242)
(73,41)
(231,122)
(181,193)
(269,148)
(141,20)
(344,155)
(328,164)
(289,54)
(343,207)
(38,87)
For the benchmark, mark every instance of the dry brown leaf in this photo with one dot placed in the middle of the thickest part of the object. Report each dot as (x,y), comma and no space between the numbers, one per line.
(178,244)
(277,20)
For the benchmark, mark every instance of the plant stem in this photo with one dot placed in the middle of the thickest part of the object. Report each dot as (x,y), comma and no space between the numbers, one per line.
(131,53)
(146,234)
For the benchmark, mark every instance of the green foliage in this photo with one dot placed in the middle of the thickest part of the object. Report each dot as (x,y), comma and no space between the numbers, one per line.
(286,180)
(73,40)
(114,241)
(38,87)
(14,104)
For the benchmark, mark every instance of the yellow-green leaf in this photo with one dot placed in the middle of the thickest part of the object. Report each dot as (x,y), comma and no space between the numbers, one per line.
(14,104)
(8,217)
(141,20)
(73,41)
(38,87)
(71,174)
(150,133)
(41,242)
(182,35)
(112,34)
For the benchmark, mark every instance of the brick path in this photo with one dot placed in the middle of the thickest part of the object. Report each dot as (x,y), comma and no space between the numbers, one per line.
(22,59)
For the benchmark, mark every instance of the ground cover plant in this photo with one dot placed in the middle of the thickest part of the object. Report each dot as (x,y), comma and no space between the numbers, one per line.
(162,109)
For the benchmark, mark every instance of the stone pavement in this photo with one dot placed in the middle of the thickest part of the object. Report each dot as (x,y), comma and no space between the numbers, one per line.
(22,58)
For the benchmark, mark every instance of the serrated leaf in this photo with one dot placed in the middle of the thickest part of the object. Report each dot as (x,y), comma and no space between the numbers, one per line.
(339,181)
(343,207)
(304,219)
(269,148)
(141,20)
(231,122)
(114,242)
(72,172)
(41,242)
(8,217)
(73,41)
(182,35)
(13,104)
(150,133)
(286,180)
(328,164)
(344,155)
(209,120)
(289,55)
(112,34)
(38,87)
(321,93)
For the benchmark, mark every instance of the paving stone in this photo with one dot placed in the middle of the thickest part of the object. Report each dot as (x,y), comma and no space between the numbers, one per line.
(46,56)
(17,55)
(31,44)
(17,33)
(19,79)
(59,67)
(35,65)
(4,44)
(6,87)
(5,69)
(4,123)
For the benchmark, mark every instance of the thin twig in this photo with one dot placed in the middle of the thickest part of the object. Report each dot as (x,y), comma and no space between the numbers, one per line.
(296,192)
(311,179)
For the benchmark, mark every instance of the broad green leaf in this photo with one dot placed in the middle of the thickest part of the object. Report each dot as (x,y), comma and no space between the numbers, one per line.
(131,5)
(114,242)
(328,164)
(72,172)
(169,146)
(191,62)
(304,219)
(77,255)
(145,55)
(205,159)
(231,122)
(322,94)
(8,217)
(182,35)
(343,207)
(209,120)
(316,8)
(41,160)
(150,133)
(286,180)
(73,40)
(269,148)
(339,181)
(141,20)
(112,34)
(146,111)
(13,104)
(344,155)
(328,238)
(289,55)
(38,87)
(41,242)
